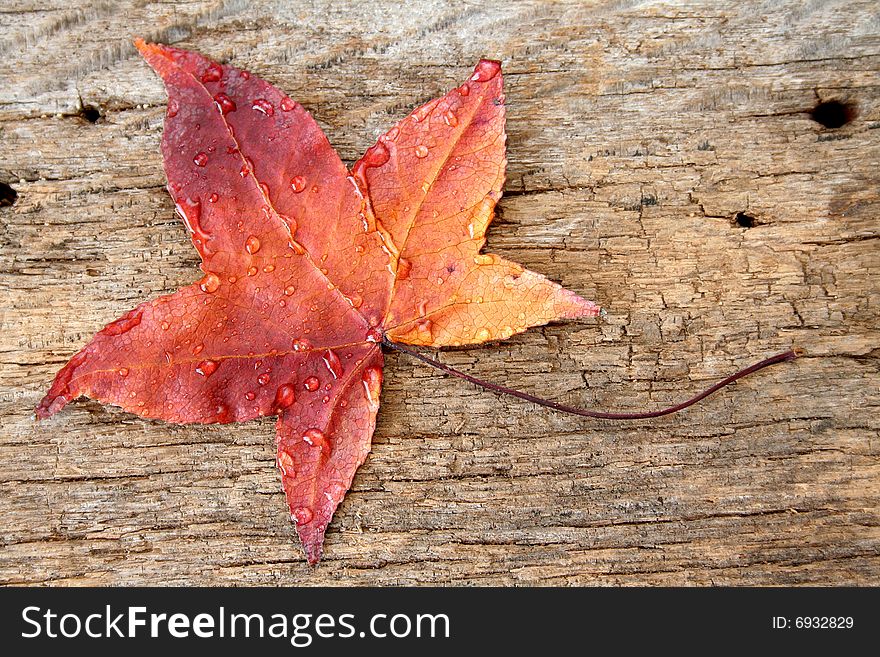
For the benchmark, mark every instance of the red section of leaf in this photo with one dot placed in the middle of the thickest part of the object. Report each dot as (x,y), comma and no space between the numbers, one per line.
(306,267)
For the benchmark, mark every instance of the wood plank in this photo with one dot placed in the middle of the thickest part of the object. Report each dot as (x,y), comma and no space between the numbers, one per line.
(638,134)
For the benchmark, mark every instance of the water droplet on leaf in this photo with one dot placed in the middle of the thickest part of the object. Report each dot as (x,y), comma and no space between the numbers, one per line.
(302,515)
(264,106)
(486,70)
(285,396)
(297,184)
(252,244)
(314,437)
(224,103)
(285,464)
(207,367)
(210,283)
(213,73)
(372,380)
(331,360)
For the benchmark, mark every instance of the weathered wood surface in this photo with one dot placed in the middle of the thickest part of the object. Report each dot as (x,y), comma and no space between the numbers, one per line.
(638,131)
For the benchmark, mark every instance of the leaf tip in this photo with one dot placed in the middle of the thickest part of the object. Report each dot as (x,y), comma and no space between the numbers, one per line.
(485,70)
(577,307)
(313,544)
(143,47)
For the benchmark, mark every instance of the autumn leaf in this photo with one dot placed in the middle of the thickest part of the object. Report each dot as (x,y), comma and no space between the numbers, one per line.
(308,268)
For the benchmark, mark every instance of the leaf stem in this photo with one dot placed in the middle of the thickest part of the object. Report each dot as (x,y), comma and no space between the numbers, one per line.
(778,358)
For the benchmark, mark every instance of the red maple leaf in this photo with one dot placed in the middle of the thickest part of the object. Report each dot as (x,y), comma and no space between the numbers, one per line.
(308,268)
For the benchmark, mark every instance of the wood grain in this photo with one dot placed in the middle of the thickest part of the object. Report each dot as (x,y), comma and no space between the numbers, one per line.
(638,133)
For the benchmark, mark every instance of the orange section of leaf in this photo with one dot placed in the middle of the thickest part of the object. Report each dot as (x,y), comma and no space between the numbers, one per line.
(433,183)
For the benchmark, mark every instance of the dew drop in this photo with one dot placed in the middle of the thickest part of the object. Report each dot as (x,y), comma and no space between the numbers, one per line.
(289,290)
(213,198)
(484,259)
(392,134)
(252,271)
(301,344)
(486,70)
(122,371)
(207,367)
(250,396)
(482,334)
(314,437)
(210,283)
(311,384)
(356,300)
(331,360)
(301,515)
(506,331)
(123,324)
(335,491)
(450,119)
(201,159)
(404,267)
(287,104)
(252,244)
(376,155)
(372,380)
(165,326)
(173,108)
(421,151)
(269,269)
(285,464)
(224,103)
(232,279)
(264,106)
(374,335)
(464,89)
(264,378)
(213,73)
(223,414)
(297,184)
(244,171)
(285,396)
(197,349)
